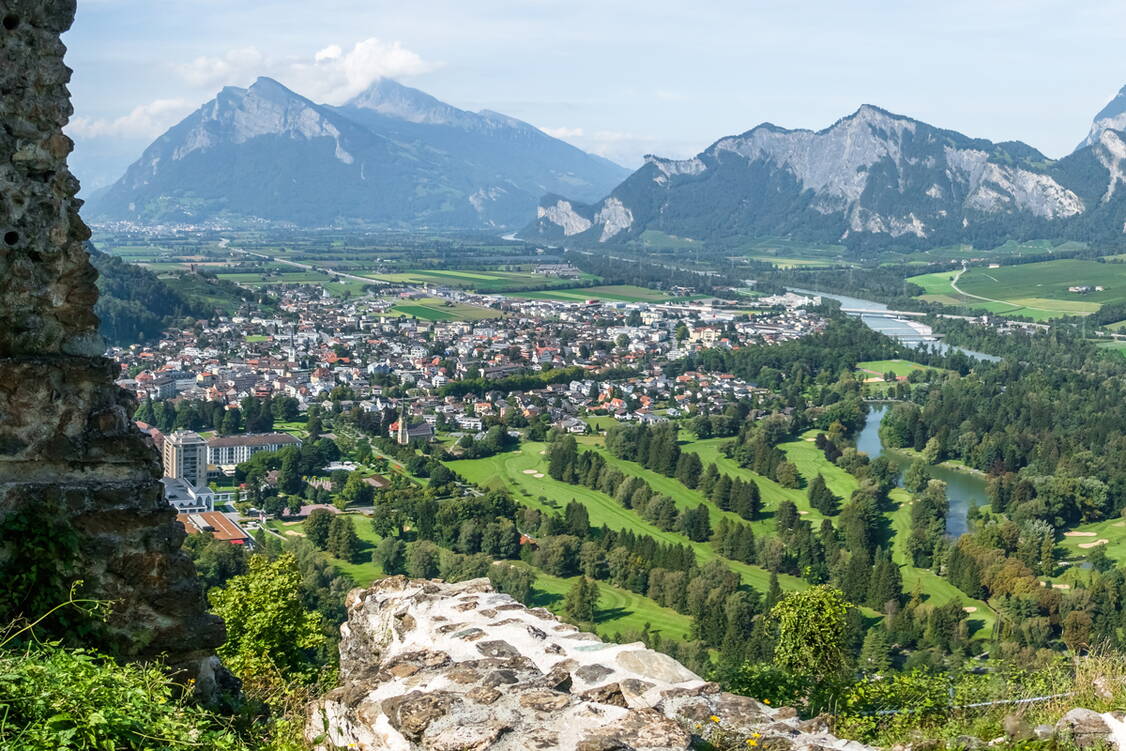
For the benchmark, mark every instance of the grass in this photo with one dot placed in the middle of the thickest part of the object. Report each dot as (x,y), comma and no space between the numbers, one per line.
(899,367)
(810,461)
(480,281)
(619,610)
(365,571)
(1114,346)
(1111,530)
(612,293)
(1038,290)
(437,309)
(508,471)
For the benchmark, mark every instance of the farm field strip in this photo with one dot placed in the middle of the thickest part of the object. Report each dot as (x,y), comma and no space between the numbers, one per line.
(612,293)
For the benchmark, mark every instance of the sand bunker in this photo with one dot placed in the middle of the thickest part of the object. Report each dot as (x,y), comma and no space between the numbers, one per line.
(529,471)
(970,609)
(1094,544)
(1119,524)
(1078,534)
(1061,586)
(538,475)
(803,512)
(543,452)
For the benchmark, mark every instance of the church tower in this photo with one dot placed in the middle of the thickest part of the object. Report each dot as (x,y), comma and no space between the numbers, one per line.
(404,434)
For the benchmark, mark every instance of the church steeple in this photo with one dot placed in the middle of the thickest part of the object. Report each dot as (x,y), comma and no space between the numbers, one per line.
(404,434)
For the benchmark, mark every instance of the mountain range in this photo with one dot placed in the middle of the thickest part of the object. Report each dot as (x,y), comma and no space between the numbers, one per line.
(391,156)
(873,178)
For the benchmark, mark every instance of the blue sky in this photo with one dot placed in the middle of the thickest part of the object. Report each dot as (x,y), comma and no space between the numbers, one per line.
(621,79)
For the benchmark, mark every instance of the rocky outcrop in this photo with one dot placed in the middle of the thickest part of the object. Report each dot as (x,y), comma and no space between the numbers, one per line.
(80,497)
(461,667)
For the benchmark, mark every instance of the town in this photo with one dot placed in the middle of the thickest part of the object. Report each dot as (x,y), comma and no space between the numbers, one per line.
(547,363)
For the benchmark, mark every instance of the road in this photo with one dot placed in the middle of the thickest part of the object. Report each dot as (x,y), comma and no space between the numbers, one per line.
(305,266)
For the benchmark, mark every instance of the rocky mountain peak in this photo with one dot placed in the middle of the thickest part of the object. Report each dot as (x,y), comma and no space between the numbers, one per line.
(392,99)
(1110,117)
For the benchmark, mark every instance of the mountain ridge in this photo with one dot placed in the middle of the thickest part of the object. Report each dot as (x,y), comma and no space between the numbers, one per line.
(391,156)
(872,176)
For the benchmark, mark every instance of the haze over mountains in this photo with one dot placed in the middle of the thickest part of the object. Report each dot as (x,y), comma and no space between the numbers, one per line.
(391,156)
(870,178)
(395,156)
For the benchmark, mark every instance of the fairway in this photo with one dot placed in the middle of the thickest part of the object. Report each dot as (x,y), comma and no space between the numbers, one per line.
(511,471)
(507,471)
(612,293)
(877,368)
(619,610)
(1038,290)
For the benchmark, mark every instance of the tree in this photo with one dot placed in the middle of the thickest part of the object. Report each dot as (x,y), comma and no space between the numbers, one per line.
(390,555)
(317,526)
(581,601)
(576,519)
(343,543)
(787,475)
(875,654)
(356,491)
(821,498)
(917,476)
(422,560)
(268,627)
(289,480)
(812,632)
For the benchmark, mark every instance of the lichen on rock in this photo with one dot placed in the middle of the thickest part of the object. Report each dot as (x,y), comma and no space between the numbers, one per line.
(461,667)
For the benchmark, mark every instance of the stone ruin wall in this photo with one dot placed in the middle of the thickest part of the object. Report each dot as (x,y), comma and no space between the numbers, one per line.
(461,667)
(67,440)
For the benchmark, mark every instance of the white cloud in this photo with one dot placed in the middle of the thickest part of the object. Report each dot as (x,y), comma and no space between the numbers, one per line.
(335,76)
(144,121)
(563,132)
(330,52)
(234,66)
(330,75)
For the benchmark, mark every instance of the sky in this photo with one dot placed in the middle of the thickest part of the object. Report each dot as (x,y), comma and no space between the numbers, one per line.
(620,79)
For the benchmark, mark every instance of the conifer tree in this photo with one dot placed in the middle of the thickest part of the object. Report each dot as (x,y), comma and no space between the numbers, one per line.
(821,498)
(875,654)
(581,602)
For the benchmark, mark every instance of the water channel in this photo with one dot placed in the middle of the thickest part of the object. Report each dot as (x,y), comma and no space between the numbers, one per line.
(963,489)
(896,328)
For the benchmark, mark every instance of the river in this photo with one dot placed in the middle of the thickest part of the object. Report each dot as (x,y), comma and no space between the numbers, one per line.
(896,328)
(963,489)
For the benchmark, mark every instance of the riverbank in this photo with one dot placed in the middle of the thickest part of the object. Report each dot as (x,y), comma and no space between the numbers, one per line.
(951,464)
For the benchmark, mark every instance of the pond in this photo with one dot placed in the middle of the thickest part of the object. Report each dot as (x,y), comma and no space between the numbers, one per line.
(963,489)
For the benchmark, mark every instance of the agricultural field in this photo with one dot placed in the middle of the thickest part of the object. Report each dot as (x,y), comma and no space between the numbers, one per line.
(437,309)
(611,293)
(785,253)
(1114,346)
(1038,290)
(479,281)
(1010,249)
